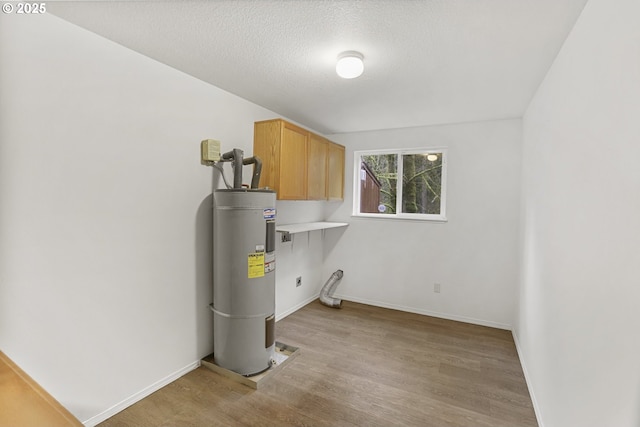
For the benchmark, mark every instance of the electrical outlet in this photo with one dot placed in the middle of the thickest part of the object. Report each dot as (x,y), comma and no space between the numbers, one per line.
(436,288)
(298,281)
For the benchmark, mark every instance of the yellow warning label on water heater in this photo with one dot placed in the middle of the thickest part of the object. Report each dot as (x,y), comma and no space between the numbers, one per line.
(256,265)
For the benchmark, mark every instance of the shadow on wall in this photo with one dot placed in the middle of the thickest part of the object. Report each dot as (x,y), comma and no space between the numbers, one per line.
(331,207)
(331,239)
(204,277)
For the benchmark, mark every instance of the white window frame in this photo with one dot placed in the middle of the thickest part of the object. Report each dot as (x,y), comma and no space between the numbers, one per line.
(357,159)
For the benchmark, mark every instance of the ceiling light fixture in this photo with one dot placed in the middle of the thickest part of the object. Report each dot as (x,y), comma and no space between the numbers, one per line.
(350,65)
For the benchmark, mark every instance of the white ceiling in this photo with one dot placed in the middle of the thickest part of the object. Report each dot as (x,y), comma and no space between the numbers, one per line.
(426,62)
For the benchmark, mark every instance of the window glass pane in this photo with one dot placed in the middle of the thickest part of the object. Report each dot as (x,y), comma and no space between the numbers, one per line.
(421,183)
(378,182)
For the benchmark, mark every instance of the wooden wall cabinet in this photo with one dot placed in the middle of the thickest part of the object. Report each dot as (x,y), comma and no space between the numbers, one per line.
(335,172)
(317,168)
(298,164)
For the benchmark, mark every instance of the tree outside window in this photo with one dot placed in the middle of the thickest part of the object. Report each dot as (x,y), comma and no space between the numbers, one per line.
(401,184)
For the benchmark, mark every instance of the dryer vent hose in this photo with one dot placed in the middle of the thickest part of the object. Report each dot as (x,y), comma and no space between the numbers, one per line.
(328,288)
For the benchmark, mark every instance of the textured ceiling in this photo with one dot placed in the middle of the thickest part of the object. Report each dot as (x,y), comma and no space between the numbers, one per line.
(426,62)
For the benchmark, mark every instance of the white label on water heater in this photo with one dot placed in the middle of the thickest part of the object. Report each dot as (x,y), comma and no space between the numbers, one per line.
(269,262)
(269,267)
(269,213)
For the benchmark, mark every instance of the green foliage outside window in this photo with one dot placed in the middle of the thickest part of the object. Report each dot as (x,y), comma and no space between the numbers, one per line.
(420,189)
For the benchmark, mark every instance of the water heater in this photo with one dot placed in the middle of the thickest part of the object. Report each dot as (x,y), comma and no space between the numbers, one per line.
(244,277)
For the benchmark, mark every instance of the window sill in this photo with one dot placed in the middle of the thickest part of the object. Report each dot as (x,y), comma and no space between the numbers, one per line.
(404,217)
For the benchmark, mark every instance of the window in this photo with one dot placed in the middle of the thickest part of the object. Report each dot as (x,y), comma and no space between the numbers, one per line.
(406,184)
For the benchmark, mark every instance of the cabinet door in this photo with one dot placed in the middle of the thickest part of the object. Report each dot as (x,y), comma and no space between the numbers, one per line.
(266,146)
(335,172)
(317,168)
(293,163)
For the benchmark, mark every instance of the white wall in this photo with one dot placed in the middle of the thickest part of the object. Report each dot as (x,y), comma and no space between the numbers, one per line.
(473,256)
(105,236)
(301,257)
(578,314)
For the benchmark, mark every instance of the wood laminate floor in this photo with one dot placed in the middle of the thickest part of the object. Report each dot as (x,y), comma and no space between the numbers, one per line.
(359,366)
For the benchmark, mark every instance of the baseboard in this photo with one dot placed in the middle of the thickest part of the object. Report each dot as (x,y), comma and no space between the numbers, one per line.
(464,319)
(97,419)
(527,379)
(280,316)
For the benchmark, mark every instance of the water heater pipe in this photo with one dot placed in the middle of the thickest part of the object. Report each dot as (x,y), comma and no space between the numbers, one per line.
(328,288)
(257,169)
(236,155)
